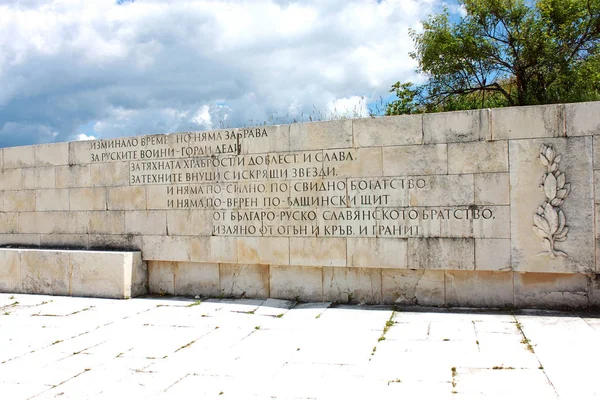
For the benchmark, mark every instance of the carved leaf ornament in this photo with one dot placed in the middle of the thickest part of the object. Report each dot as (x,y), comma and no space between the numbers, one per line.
(549,220)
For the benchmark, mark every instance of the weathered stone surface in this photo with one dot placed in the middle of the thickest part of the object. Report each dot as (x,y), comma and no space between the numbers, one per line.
(296,283)
(317,252)
(146,222)
(39,178)
(93,199)
(492,255)
(213,248)
(53,222)
(196,279)
(527,122)
(415,160)
(478,157)
(126,198)
(377,253)
(73,176)
(161,277)
(352,285)
(461,126)
(52,200)
(364,162)
(413,287)
(578,207)
(109,222)
(443,190)
(268,250)
(102,274)
(19,157)
(582,119)
(189,222)
(335,134)
(10,271)
(20,239)
(492,188)
(11,179)
(45,272)
(168,248)
(19,200)
(64,241)
(479,289)
(277,139)
(51,154)
(551,290)
(441,253)
(398,130)
(8,222)
(244,280)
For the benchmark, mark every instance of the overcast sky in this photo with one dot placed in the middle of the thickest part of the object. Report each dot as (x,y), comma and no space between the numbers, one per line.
(106,68)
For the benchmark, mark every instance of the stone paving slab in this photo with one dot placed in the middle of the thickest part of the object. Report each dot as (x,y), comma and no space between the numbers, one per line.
(173,348)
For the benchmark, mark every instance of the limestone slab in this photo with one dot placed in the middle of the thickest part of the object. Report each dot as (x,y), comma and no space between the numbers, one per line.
(190,222)
(356,162)
(69,241)
(296,283)
(377,252)
(73,176)
(51,154)
(11,179)
(415,160)
(196,279)
(19,157)
(478,157)
(582,119)
(459,126)
(578,206)
(277,139)
(492,255)
(19,200)
(109,174)
(527,122)
(388,131)
(492,188)
(167,248)
(352,285)
(413,287)
(39,178)
(443,190)
(146,222)
(109,222)
(20,239)
(321,135)
(52,200)
(441,253)
(10,271)
(93,199)
(9,222)
(213,248)
(45,272)
(127,198)
(317,252)
(551,290)
(244,280)
(266,250)
(479,289)
(161,277)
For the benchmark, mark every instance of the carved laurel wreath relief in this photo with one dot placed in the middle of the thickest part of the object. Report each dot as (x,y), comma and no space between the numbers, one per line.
(550,220)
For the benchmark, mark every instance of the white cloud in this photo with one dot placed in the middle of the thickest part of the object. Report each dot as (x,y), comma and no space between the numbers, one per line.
(152,66)
(83,136)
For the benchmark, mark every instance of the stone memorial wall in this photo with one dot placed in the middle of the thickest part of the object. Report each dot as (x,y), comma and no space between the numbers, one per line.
(472,208)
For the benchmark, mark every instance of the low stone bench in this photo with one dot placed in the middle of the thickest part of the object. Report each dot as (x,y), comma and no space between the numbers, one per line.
(108,274)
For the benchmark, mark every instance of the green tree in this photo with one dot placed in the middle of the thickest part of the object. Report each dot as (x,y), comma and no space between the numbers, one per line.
(505,53)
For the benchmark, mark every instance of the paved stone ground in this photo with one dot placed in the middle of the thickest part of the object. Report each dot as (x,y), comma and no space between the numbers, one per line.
(166,348)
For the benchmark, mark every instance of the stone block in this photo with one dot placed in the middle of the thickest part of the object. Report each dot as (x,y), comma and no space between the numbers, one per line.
(166,248)
(336,134)
(52,200)
(527,122)
(45,272)
(51,154)
(318,252)
(377,252)
(578,206)
(296,283)
(9,222)
(10,271)
(238,280)
(277,139)
(582,119)
(457,126)
(19,157)
(80,152)
(443,190)
(146,222)
(352,285)
(20,239)
(266,250)
(357,162)
(492,188)
(110,174)
(114,242)
(397,130)
(596,187)
(103,274)
(478,157)
(496,227)
(479,289)
(73,176)
(596,143)
(551,290)
(441,253)
(127,198)
(594,291)
(64,241)
(39,178)
(161,277)
(11,179)
(213,249)
(189,222)
(53,222)
(415,160)
(492,255)
(107,222)
(19,200)
(409,287)
(197,279)
(93,199)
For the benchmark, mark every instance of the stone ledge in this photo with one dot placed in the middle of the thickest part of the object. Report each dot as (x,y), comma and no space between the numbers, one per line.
(107,274)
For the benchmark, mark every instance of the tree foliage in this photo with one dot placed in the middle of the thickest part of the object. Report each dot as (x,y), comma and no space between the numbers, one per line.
(505,53)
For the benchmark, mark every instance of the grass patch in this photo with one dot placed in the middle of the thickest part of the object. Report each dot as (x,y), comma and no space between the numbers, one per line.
(194,304)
